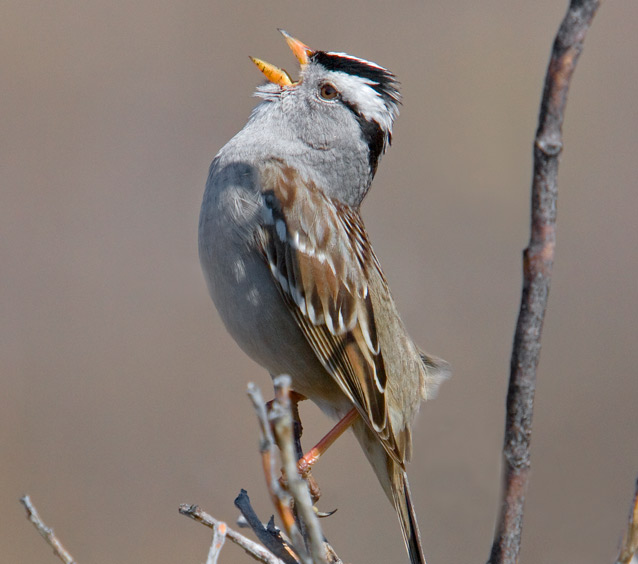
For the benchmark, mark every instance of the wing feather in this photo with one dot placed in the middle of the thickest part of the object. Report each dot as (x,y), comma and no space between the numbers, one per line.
(321,260)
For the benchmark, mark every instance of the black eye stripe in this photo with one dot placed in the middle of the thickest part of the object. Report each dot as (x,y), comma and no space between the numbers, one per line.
(372,134)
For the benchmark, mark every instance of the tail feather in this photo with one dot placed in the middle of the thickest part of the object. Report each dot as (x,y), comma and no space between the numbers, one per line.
(394,482)
(402,499)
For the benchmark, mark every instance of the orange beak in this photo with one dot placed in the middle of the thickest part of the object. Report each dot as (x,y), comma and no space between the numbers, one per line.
(280,76)
(299,49)
(273,73)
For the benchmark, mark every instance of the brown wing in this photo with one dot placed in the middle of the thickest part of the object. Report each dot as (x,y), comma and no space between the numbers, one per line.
(321,260)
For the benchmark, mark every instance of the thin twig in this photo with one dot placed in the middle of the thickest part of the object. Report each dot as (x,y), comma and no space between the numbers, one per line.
(46,532)
(279,497)
(277,549)
(630,544)
(219,537)
(254,549)
(538,259)
(281,416)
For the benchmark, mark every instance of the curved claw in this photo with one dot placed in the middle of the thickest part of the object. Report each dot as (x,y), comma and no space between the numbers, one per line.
(323,514)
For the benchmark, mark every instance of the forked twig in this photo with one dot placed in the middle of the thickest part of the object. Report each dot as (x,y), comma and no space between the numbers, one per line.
(308,547)
(254,549)
(281,417)
(279,498)
(537,268)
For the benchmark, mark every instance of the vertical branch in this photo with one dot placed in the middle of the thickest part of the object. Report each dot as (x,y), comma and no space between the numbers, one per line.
(219,537)
(281,418)
(538,259)
(278,496)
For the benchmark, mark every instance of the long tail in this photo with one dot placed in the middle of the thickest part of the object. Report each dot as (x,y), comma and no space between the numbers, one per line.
(394,482)
(407,517)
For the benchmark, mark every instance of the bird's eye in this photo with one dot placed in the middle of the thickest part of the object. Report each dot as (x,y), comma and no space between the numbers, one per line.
(328,91)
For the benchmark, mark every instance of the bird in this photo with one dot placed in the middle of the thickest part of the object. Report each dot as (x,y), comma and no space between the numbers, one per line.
(289,265)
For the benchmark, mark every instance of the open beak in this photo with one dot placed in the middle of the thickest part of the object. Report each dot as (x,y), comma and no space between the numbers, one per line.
(280,76)
(299,49)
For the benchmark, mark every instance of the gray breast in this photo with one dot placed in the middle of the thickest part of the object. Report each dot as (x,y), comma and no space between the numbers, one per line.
(241,285)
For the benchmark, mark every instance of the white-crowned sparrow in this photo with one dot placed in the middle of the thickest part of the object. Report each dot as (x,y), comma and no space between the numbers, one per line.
(289,265)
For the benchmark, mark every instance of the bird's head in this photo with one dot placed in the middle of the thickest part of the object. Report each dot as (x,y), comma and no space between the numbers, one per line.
(340,104)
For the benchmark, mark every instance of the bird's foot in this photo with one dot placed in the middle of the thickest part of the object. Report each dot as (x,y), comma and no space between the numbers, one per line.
(313,486)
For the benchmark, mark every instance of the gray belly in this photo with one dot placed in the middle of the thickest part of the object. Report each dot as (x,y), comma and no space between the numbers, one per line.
(253,311)
(244,292)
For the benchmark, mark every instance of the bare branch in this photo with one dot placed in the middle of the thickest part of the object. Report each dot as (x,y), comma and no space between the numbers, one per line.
(304,530)
(538,260)
(254,549)
(279,497)
(46,532)
(219,537)
(630,544)
(281,417)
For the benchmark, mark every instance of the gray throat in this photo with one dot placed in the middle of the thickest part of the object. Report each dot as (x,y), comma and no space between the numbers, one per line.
(341,170)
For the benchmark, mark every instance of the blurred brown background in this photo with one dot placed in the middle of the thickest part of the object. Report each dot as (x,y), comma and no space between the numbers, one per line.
(121,393)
